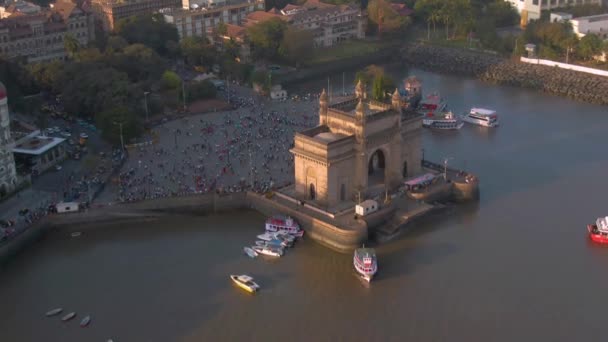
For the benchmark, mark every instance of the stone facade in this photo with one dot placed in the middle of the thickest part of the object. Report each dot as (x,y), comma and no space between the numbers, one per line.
(531,9)
(110,11)
(359,144)
(40,36)
(8,174)
(202,20)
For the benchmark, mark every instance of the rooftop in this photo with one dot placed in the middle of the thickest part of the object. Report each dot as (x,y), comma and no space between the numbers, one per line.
(328,137)
(594,18)
(370,107)
(37,145)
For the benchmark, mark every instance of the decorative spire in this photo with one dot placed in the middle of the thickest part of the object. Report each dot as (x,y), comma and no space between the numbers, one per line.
(323,96)
(360,90)
(396,95)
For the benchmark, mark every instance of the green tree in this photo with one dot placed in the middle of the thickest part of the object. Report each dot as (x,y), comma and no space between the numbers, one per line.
(221,29)
(589,46)
(297,45)
(266,38)
(148,29)
(71,45)
(115,43)
(381,14)
(111,119)
(200,90)
(170,80)
(198,51)
(46,75)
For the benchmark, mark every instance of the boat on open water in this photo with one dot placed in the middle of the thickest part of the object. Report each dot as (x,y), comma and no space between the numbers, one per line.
(442,121)
(598,232)
(245,282)
(250,252)
(481,117)
(365,262)
(68,316)
(85,321)
(54,312)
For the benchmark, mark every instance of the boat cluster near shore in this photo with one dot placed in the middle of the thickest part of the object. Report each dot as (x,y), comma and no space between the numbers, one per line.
(436,115)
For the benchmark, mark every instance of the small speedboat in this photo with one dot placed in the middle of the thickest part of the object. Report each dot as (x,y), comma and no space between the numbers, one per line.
(598,232)
(245,282)
(85,321)
(54,312)
(250,252)
(284,224)
(76,234)
(68,316)
(267,250)
(276,244)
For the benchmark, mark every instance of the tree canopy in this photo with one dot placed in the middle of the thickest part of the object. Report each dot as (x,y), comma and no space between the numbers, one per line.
(266,38)
(149,29)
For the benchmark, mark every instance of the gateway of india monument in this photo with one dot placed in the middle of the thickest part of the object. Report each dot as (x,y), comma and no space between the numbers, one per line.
(360,149)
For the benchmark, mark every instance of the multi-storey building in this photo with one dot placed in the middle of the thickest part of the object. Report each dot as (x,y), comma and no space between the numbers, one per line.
(40,36)
(110,11)
(531,9)
(18,7)
(595,24)
(8,175)
(198,19)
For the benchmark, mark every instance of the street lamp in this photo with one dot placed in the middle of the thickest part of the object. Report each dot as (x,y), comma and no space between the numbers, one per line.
(445,167)
(146,104)
(122,142)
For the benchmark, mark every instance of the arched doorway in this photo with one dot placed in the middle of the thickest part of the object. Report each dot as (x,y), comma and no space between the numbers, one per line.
(3,190)
(342,192)
(404,169)
(375,168)
(311,192)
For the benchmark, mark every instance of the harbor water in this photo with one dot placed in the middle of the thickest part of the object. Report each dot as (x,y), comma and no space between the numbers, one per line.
(517,266)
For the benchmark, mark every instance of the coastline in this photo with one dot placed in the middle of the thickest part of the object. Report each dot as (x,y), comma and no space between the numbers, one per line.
(495,69)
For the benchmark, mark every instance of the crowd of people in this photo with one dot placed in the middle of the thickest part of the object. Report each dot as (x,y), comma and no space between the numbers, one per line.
(243,149)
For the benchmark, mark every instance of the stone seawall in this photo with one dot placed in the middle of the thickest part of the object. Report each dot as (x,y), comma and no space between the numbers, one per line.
(498,70)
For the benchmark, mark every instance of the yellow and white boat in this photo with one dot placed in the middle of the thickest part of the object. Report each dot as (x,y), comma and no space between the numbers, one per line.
(245,282)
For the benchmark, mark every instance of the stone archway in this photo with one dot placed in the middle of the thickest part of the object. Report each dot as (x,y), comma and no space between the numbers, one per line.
(312,194)
(376,167)
(342,192)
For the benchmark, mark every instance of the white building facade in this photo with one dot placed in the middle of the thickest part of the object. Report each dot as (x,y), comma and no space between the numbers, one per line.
(596,24)
(531,9)
(8,174)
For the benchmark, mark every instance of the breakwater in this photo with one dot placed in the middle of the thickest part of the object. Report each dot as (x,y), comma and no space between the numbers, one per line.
(496,69)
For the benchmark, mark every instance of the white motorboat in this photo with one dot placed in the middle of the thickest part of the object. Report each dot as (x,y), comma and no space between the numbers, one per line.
(267,250)
(365,263)
(76,234)
(284,224)
(54,312)
(85,321)
(245,282)
(482,117)
(68,316)
(272,244)
(250,252)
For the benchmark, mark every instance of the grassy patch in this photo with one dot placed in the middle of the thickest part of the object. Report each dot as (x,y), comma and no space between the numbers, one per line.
(352,48)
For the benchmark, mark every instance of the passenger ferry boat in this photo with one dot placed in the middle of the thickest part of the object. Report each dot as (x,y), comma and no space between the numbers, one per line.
(598,232)
(365,263)
(482,117)
(285,224)
(445,121)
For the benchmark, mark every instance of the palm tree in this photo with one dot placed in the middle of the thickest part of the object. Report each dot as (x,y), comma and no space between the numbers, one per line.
(71,45)
(435,16)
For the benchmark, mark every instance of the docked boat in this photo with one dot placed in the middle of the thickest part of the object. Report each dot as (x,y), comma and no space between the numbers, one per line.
(432,103)
(250,252)
(443,120)
(271,243)
(245,282)
(271,237)
(365,263)
(269,251)
(68,316)
(85,321)
(285,224)
(481,117)
(54,312)
(76,234)
(598,232)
